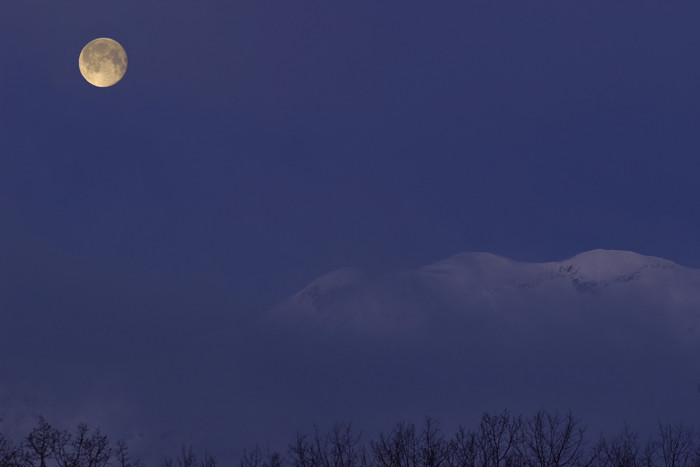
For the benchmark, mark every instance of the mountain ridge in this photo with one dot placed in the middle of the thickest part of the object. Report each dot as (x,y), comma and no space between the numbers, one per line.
(479,282)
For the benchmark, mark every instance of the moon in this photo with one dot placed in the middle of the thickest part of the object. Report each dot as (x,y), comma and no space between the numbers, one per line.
(102,62)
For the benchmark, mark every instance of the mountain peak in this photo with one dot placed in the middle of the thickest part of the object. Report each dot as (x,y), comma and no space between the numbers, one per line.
(470,281)
(600,268)
(618,260)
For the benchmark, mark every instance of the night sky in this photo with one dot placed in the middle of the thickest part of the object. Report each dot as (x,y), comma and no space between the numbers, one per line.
(265,143)
(255,145)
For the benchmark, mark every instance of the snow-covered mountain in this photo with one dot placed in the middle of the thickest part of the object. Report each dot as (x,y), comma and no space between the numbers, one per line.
(470,285)
(612,335)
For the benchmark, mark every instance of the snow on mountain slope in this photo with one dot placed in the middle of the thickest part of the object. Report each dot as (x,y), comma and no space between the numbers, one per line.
(469,285)
(612,335)
(586,272)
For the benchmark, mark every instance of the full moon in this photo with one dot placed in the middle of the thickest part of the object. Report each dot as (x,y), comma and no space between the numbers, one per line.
(102,62)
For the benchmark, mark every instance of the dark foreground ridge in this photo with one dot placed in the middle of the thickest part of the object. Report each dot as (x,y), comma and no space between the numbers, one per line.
(546,439)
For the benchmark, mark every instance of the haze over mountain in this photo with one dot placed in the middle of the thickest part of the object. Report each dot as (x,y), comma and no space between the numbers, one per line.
(612,335)
(468,286)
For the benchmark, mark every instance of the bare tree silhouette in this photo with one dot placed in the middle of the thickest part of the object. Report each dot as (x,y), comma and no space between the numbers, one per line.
(10,454)
(398,449)
(255,458)
(40,443)
(625,449)
(498,439)
(553,440)
(676,445)
(547,439)
(464,449)
(122,456)
(186,457)
(435,450)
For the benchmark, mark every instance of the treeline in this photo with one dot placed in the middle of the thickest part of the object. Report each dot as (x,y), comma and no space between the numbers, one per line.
(47,446)
(546,439)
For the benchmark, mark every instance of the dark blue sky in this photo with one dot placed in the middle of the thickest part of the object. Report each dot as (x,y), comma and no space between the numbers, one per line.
(256,145)
(253,146)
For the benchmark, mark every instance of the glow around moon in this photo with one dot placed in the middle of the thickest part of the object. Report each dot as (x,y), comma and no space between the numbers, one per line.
(102,62)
